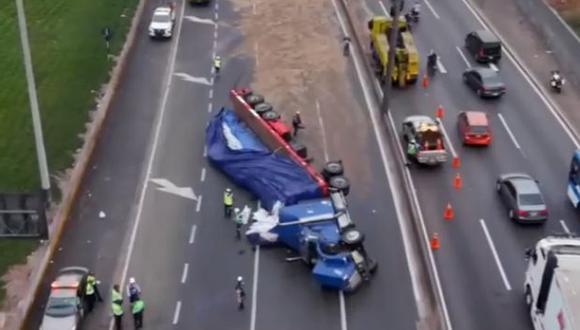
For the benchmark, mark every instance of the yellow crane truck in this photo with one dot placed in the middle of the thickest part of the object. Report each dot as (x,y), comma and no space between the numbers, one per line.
(406,66)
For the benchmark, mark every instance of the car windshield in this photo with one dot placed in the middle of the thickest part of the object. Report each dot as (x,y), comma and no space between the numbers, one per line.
(531,199)
(161,18)
(61,307)
(478,130)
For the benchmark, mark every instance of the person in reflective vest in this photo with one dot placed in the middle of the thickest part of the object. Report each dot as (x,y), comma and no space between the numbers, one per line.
(412,148)
(117,306)
(137,308)
(228,202)
(91,292)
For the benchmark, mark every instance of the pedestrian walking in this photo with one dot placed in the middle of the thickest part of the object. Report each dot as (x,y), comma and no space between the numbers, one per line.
(133,290)
(137,309)
(297,122)
(228,202)
(117,306)
(346,45)
(240,292)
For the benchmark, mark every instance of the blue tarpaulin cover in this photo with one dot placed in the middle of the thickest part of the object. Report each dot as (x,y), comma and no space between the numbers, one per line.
(238,152)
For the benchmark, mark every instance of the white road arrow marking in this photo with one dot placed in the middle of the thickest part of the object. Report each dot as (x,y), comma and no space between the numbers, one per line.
(440,66)
(168,186)
(195,19)
(493,67)
(190,78)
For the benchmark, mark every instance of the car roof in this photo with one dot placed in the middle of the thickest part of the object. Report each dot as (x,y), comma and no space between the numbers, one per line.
(476,118)
(416,120)
(525,185)
(486,36)
(485,72)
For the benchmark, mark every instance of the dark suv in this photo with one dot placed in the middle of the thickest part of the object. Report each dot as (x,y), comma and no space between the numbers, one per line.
(484,46)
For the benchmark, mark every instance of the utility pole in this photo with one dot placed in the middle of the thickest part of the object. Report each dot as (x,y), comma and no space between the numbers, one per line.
(387,86)
(33,98)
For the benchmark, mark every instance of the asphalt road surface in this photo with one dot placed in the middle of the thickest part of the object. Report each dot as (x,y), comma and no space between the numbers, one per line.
(481,261)
(180,249)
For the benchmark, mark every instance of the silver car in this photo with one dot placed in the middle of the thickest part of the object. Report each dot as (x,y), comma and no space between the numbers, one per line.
(65,306)
(522,197)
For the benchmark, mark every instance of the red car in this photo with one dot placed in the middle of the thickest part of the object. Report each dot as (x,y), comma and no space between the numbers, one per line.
(474,128)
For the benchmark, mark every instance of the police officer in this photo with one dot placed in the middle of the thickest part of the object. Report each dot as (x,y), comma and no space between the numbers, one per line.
(137,308)
(91,292)
(217,64)
(240,293)
(133,290)
(297,122)
(239,220)
(228,202)
(117,306)
(412,148)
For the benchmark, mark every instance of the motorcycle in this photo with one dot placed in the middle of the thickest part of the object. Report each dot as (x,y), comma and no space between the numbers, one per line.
(557,82)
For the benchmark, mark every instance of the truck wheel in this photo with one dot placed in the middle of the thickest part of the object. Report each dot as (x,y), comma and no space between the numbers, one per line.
(352,237)
(528,297)
(340,183)
(263,107)
(254,99)
(332,168)
(270,115)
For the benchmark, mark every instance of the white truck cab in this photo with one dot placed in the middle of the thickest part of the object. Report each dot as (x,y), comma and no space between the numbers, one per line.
(552,284)
(162,22)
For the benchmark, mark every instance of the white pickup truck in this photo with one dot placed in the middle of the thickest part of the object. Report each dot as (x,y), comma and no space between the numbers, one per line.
(424,140)
(162,22)
(552,284)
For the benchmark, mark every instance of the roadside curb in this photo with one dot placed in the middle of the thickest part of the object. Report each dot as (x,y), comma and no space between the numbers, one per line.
(80,168)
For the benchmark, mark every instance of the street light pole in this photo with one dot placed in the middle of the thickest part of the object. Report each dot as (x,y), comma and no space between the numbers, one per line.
(33,99)
(387,86)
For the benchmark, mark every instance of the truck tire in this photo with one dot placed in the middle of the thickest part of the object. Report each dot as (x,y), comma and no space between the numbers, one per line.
(263,107)
(332,168)
(254,99)
(270,115)
(341,183)
(352,237)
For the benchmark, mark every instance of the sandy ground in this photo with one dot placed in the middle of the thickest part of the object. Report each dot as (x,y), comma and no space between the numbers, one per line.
(299,63)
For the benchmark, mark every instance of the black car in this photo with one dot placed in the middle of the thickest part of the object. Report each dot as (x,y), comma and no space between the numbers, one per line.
(484,46)
(522,197)
(484,81)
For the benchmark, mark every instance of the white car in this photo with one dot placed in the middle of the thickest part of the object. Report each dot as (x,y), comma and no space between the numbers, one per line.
(162,23)
(65,307)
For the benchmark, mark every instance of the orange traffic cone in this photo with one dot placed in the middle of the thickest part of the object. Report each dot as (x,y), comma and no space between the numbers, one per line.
(449,213)
(456,163)
(425,81)
(435,243)
(440,112)
(458,182)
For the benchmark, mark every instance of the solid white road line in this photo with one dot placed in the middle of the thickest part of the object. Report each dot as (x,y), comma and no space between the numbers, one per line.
(198,206)
(202,175)
(176,313)
(526,74)
(512,136)
(495,255)
(432,9)
(563,223)
(463,56)
(322,130)
(440,66)
(255,287)
(383,7)
(192,234)
(184,273)
(153,152)
(447,140)
(343,325)
(209,107)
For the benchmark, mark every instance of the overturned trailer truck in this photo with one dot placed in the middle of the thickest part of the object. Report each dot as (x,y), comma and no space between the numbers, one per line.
(304,210)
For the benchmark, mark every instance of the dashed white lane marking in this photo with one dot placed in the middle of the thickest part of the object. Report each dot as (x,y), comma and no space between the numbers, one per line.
(198,206)
(217,6)
(204,151)
(256,53)
(255,287)
(209,108)
(322,130)
(216,16)
(563,223)
(215,33)
(254,7)
(383,7)
(493,67)
(192,234)
(176,313)
(343,325)
(432,9)
(440,66)
(463,56)
(211,94)
(507,128)
(495,255)
(184,273)
(196,19)
(202,175)
(446,136)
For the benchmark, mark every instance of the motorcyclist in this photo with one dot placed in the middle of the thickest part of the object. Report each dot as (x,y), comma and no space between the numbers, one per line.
(217,64)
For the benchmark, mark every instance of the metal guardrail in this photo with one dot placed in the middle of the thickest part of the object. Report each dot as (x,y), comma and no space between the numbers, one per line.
(23,215)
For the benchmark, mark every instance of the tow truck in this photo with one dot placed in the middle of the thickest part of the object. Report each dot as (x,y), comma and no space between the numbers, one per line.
(301,208)
(406,67)
(162,22)
(552,283)
(425,134)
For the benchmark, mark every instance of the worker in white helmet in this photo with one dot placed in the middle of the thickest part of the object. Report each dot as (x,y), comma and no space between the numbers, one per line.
(240,292)
(133,290)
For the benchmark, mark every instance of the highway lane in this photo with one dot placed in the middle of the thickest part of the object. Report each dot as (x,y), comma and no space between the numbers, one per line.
(531,142)
(112,181)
